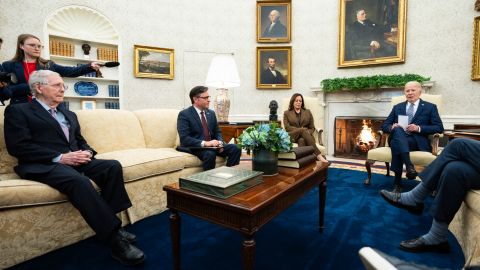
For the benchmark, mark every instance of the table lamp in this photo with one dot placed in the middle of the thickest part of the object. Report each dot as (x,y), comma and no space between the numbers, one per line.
(222,74)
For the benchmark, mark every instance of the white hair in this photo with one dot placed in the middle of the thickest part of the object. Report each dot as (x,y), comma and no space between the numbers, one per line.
(39,77)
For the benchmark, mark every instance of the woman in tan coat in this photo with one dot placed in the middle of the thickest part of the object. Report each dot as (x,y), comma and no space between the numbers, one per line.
(298,122)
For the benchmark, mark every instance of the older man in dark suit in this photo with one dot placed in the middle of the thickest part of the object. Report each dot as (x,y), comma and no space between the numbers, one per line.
(423,120)
(46,140)
(199,132)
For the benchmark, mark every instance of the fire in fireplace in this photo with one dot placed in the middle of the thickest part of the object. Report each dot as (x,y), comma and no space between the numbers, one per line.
(355,135)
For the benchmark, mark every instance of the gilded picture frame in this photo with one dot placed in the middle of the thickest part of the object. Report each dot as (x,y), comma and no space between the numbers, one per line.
(371,32)
(274,67)
(476,50)
(274,21)
(152,62)
(88,104)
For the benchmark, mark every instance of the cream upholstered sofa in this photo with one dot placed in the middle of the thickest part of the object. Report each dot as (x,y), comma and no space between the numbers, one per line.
(35,218)
(312,104)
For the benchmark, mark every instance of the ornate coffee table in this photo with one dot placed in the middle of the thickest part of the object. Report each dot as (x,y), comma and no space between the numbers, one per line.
(249,210)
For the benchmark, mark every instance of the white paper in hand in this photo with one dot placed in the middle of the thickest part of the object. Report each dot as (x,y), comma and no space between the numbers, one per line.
(403,121)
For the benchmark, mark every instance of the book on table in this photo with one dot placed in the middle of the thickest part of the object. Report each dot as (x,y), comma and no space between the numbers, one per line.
(297,163)
(297,152)
(221,182)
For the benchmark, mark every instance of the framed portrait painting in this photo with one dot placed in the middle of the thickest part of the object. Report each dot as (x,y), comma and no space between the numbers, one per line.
(88,104)
(151,62)
(476,50)
(274,21)
(274,67)
(372,32)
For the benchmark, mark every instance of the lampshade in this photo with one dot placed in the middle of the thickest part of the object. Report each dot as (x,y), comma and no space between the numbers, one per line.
(223,72)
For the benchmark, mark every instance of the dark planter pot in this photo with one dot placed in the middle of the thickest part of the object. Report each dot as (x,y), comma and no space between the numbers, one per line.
(265,161)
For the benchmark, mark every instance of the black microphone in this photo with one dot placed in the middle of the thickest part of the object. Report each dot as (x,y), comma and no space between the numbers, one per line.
(109,64)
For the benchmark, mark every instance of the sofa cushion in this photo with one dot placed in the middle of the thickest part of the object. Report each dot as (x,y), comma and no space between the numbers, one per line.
(18,192)
(192,161)
(111,130)
(145,162)
(472,200)
(159,127)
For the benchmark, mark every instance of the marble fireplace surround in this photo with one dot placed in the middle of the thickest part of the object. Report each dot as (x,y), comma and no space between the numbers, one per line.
(374,103)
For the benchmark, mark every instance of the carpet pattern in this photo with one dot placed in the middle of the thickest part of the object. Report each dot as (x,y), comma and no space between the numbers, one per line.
(355,216)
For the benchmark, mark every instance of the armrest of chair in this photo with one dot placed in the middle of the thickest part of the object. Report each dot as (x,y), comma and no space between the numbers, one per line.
(320,132)
(382,139)
(435,140)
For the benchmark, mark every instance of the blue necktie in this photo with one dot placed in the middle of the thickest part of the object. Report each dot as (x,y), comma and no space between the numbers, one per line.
(64,128)
(410,113)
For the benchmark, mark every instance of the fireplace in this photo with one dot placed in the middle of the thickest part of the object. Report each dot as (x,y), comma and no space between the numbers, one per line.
(355,135)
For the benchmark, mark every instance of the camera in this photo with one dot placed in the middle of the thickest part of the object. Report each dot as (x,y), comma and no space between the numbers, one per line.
(8,77)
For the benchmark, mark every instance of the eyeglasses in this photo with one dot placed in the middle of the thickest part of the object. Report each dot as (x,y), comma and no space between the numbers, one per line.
(205,98)
(59,86)
(35,46)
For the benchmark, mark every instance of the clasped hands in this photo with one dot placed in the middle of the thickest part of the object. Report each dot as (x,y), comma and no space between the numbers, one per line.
(410,128)
(214,143)
(76,158)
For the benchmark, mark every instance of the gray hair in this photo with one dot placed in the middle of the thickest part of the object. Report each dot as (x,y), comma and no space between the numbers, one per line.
(414,83)
(277,13)
(39,77)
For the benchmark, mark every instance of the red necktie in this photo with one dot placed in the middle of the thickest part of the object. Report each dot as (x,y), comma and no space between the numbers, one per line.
(206,134)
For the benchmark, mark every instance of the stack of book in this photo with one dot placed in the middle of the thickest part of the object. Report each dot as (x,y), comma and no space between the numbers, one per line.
(222,182)
(298,157)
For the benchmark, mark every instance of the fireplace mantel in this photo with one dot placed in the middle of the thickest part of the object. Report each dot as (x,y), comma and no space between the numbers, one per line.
(369,102)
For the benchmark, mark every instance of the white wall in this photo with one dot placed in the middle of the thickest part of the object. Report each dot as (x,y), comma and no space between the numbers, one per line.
(439,44)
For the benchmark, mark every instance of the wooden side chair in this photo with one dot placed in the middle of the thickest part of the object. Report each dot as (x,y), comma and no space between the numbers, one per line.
(312,104)
(419,158)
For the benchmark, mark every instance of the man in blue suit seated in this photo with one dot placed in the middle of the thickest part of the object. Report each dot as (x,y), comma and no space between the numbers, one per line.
(423,120)
(452,174)
(199,132)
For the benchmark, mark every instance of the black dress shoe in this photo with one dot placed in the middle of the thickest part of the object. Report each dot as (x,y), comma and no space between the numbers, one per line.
(130,237)
(419,245)
(393,198)
(125,252)
(411,173)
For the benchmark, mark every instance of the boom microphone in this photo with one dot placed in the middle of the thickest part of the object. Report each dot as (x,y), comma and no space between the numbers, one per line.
(109,64)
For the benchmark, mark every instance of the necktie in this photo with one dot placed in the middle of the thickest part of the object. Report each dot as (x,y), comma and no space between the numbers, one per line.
(206,134)
(410,112)
(64,128)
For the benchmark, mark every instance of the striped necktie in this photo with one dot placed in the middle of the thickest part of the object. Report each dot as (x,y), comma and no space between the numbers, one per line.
(410,112)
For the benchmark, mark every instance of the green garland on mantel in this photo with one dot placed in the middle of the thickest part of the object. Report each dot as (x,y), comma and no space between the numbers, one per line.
(369,82)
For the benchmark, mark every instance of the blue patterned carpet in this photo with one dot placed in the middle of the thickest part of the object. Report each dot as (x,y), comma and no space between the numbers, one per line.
(356,216)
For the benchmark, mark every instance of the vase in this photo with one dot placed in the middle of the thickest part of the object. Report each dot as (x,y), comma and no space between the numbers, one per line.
(222,105)
(265,161)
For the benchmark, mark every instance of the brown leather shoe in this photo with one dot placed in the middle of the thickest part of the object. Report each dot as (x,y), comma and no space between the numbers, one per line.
(393,198)
(419,245)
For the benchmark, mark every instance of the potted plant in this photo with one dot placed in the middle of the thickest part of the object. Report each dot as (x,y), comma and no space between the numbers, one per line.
(265,140)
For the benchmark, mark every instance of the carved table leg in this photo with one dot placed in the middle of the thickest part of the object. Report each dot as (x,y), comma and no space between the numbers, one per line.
(175,233)
(248,251)
(322,193)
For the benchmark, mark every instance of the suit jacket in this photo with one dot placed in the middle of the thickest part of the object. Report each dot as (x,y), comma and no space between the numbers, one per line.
(278,30)
(426,117)
(34,137)
(189,127)
(19,91)
(267,77)
(291,122)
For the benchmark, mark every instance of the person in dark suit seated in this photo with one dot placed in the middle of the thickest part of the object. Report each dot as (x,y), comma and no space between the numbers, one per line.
(275,28)
(452,174)
(299,124)
(199,132)
(423,120)
(46,140)
(270,75)
(27,59)
(366,39)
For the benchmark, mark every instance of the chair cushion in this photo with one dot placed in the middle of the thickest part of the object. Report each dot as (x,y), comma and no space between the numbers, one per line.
(384,154)
(145,162)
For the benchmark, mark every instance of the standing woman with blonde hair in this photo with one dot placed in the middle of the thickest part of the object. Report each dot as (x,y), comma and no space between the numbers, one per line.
(298,122)
(27,59)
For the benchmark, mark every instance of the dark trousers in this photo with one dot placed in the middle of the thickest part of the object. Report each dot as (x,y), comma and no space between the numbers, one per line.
(208,156)
(400,143)
(453,173)
(98,210)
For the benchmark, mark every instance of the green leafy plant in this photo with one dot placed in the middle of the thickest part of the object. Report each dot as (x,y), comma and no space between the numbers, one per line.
(369,82)
(267,136)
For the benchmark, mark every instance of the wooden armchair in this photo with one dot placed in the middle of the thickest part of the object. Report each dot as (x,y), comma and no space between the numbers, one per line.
(311,103)
(382,152)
